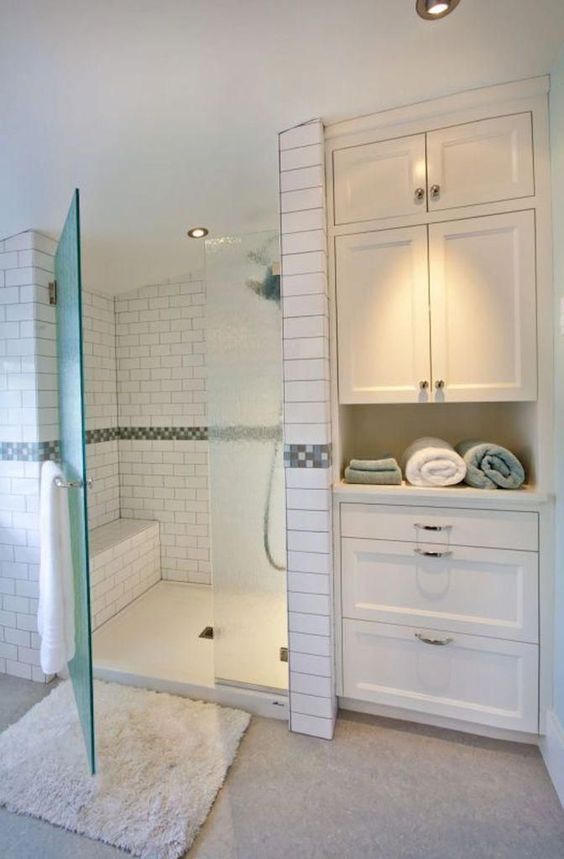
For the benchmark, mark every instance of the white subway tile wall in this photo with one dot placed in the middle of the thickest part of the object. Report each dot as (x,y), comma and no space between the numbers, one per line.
(162,383)
(307,429)
(124,562)
(28,414)
(100,383)
(102,463)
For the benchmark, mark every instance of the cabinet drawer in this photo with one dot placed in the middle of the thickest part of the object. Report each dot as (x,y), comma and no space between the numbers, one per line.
(491,592)
(473,678)
(498,529)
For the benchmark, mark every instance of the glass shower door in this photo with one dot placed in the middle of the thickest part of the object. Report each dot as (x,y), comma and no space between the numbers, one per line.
(73,459)
(243,341)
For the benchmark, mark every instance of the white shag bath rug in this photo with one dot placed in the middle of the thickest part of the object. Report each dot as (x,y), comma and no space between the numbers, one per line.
(161,762)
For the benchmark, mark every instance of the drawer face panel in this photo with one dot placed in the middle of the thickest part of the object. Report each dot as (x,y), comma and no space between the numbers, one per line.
(492,592)
(473,678)
(497,529)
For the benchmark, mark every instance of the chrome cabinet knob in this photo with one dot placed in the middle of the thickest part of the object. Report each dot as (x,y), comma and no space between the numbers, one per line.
(439,384)
(419,194)
(424,384)
(435,192)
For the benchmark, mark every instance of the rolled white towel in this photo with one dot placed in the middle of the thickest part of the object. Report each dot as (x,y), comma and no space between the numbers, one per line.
(433,462)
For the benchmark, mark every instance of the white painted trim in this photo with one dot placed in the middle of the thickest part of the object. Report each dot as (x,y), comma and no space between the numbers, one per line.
(481,98)
(552,749)
(527,499)
(437,721)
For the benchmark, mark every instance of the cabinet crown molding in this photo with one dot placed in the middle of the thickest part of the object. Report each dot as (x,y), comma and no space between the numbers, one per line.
(481,97)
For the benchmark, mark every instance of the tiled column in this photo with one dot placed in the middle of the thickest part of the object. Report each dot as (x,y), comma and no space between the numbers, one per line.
(28,433)
(307,430)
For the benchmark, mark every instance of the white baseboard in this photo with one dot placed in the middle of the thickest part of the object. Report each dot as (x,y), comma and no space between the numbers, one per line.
(438,721)
(552,748)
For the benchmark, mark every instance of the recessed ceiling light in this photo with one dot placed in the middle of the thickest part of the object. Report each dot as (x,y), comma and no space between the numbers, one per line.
(431,10)
(198,232)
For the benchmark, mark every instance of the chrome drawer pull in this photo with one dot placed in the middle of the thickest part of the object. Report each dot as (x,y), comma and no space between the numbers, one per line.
(422,527)
(440,642)
(427,554)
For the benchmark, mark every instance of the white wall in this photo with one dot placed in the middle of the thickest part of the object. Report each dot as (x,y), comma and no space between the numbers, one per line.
(557,149)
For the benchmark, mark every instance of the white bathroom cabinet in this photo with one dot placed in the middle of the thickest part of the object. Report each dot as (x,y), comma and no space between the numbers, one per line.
(441,324)
(460,165)
(438,612)
(414,302)
(480,162)
(380,180)
(445,310)
(383,316)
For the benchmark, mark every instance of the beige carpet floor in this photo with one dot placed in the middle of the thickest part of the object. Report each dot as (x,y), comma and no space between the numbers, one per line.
(381,790)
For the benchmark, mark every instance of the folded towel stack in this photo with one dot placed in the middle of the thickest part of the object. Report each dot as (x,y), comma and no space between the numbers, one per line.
(381,472)
(490,466)
(433,462)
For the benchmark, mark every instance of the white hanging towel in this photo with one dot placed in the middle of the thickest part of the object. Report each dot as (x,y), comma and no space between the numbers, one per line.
(55,616)
(433,462)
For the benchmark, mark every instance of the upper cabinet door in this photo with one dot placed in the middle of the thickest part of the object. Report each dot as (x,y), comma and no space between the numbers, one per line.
(383,316)
(480,162)
(483,321)
(379,180)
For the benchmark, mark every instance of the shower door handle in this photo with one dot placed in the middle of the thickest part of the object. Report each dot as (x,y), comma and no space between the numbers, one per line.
(72,484)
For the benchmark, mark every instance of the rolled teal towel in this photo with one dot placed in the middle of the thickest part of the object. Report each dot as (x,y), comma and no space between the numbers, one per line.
(490,466)
(387,463)
(380,478)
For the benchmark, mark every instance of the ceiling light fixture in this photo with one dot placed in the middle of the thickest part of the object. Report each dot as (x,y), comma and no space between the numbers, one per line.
(432,10)
(198,232)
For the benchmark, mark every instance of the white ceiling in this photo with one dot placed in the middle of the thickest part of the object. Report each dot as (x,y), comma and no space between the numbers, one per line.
(165,112)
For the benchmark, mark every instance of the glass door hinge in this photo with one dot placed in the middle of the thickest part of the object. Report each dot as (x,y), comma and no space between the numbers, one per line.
(53,292)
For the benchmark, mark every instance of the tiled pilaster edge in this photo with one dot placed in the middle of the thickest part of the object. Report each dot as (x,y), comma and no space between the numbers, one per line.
(307,429)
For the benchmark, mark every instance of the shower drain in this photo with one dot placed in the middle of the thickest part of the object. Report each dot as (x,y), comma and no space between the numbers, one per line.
(207,632)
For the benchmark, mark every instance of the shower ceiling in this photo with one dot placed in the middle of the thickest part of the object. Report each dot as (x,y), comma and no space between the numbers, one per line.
(167,113)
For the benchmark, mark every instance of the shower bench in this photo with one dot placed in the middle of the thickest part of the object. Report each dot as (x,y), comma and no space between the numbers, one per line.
(125,560)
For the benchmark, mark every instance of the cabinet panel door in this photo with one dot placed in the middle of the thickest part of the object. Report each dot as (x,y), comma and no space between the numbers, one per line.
(383,316)
(483,300)
(473,677)
(481,162)
(379,180)
(490,592)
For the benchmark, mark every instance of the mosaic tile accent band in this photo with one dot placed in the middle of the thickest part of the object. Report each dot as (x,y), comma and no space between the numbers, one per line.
(163,433)
(100,435)
(201,433)
(307,455)
(29,451)
(40,451)
(241,432)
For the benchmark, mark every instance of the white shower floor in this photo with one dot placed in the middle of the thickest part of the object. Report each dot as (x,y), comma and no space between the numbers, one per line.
(156,637)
